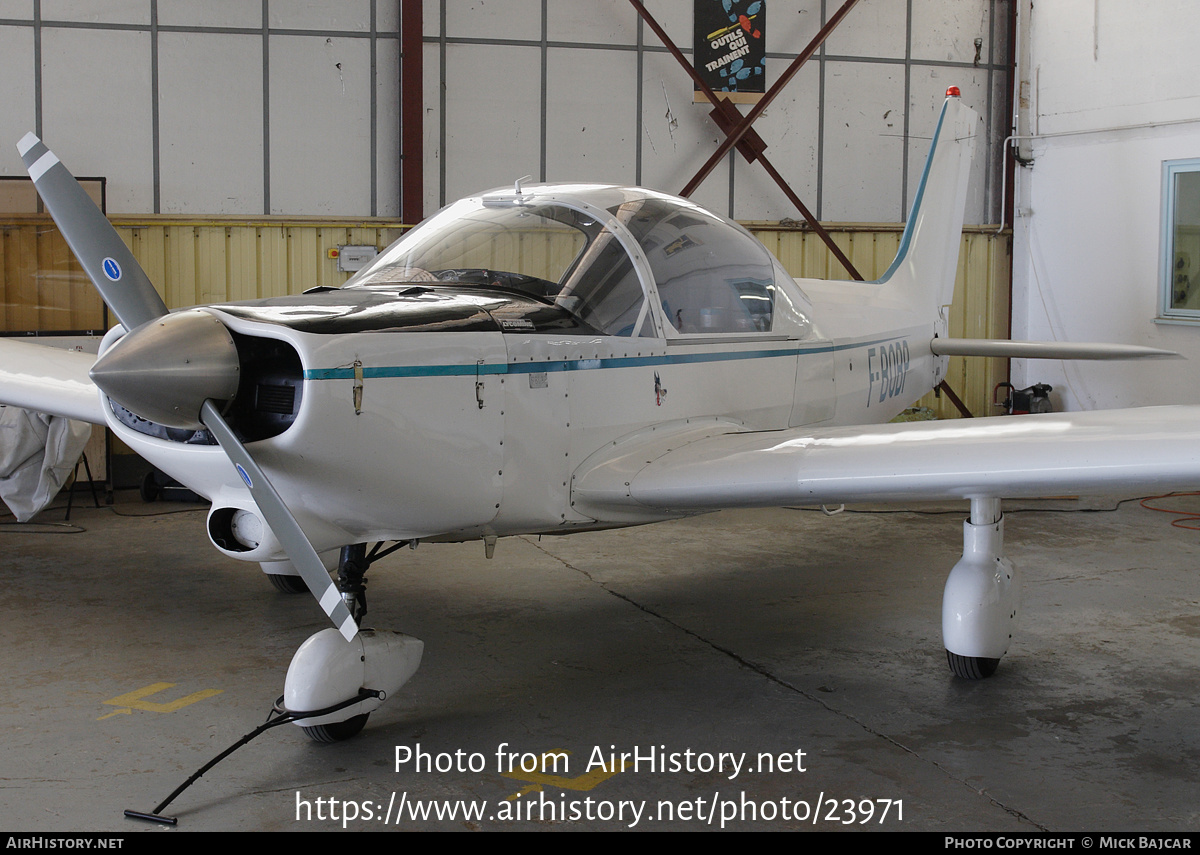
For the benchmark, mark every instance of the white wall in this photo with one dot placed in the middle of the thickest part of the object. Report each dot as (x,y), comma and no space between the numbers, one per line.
(1114,94)
(586,92)
(261,108)
(234,107)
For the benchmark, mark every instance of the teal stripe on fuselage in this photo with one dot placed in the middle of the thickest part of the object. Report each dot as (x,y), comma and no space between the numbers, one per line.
(474,370)
(548,365)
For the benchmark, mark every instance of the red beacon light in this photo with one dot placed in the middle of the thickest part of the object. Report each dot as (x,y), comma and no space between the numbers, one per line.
(953,92)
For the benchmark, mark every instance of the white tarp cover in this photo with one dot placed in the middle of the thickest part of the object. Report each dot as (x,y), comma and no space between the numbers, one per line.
(37,454)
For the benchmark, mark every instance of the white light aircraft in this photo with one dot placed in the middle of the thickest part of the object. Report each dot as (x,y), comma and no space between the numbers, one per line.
(558,358)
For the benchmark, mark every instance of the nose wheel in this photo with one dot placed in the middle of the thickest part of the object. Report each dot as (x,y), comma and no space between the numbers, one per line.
(337,731)
(352,678)
(971,667)
(327,669)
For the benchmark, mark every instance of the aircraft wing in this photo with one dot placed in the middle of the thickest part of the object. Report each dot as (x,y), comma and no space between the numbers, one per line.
(49,380)
(714,466)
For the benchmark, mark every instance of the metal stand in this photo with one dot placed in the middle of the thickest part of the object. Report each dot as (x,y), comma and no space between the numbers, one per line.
(75,480)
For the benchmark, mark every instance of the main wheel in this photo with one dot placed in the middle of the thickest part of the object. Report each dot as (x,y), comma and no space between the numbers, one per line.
(971,667)
(337,731)
(288,584)
(149,489)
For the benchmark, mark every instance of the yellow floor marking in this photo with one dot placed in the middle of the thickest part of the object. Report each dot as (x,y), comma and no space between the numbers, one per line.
(126,711)
(583,782)
(532,788)
(133,700)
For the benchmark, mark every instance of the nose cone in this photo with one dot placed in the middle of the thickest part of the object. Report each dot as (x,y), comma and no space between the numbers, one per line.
(167,368)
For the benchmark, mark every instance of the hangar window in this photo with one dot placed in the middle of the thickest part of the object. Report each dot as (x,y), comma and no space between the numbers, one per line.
(1180,254)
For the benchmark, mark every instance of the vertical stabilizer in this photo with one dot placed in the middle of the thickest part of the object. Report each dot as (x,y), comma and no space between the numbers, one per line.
(925,266)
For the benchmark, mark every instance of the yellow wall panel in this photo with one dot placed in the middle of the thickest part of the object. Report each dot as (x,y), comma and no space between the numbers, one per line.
(301,266)
(272,261)
(327,268)
(149,247)
(212,274)
(179,274)
(193,261)
(241,263)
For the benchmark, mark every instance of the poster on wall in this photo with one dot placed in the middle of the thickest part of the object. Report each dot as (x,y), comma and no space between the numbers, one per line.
(730,48)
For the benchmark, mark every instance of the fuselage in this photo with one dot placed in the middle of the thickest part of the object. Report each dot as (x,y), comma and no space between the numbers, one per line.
(457,402)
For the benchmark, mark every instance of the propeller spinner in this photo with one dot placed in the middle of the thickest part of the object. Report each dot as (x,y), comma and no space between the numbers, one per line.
(168,367)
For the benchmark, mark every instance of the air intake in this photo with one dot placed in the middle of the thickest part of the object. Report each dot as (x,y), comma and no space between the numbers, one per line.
(271,398)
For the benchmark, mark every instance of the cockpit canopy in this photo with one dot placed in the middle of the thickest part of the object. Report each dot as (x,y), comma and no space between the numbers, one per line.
(625,261)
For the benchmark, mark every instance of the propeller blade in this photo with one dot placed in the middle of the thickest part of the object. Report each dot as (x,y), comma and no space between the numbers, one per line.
(105,258)
(281,521)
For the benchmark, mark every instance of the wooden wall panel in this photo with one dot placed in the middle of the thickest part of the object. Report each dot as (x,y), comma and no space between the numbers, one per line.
(20,276)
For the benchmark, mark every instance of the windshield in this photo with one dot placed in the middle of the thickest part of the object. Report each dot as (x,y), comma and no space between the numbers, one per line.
(709,275)
(548,251)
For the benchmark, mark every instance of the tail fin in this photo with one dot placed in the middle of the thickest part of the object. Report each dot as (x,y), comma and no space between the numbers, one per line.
(925,266)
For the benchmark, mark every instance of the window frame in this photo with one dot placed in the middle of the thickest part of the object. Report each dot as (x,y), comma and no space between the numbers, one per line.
(1167,311)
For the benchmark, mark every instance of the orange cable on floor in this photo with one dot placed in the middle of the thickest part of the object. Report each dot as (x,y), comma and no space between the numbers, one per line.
(1183,517)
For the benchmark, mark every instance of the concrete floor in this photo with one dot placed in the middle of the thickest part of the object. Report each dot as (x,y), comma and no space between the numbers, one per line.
(758,632)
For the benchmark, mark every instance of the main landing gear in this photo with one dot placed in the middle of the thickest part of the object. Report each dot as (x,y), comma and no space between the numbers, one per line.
(328,671)
(982,596)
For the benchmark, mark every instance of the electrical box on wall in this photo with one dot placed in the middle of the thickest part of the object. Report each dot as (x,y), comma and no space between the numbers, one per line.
(353,258)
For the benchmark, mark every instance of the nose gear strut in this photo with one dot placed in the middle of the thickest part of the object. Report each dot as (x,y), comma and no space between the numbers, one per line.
(353,563)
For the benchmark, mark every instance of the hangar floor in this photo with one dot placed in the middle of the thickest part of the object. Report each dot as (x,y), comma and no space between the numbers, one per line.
(763,633)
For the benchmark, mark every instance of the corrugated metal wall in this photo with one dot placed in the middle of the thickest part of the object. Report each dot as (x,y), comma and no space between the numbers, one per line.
(195,261)
(205,262)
